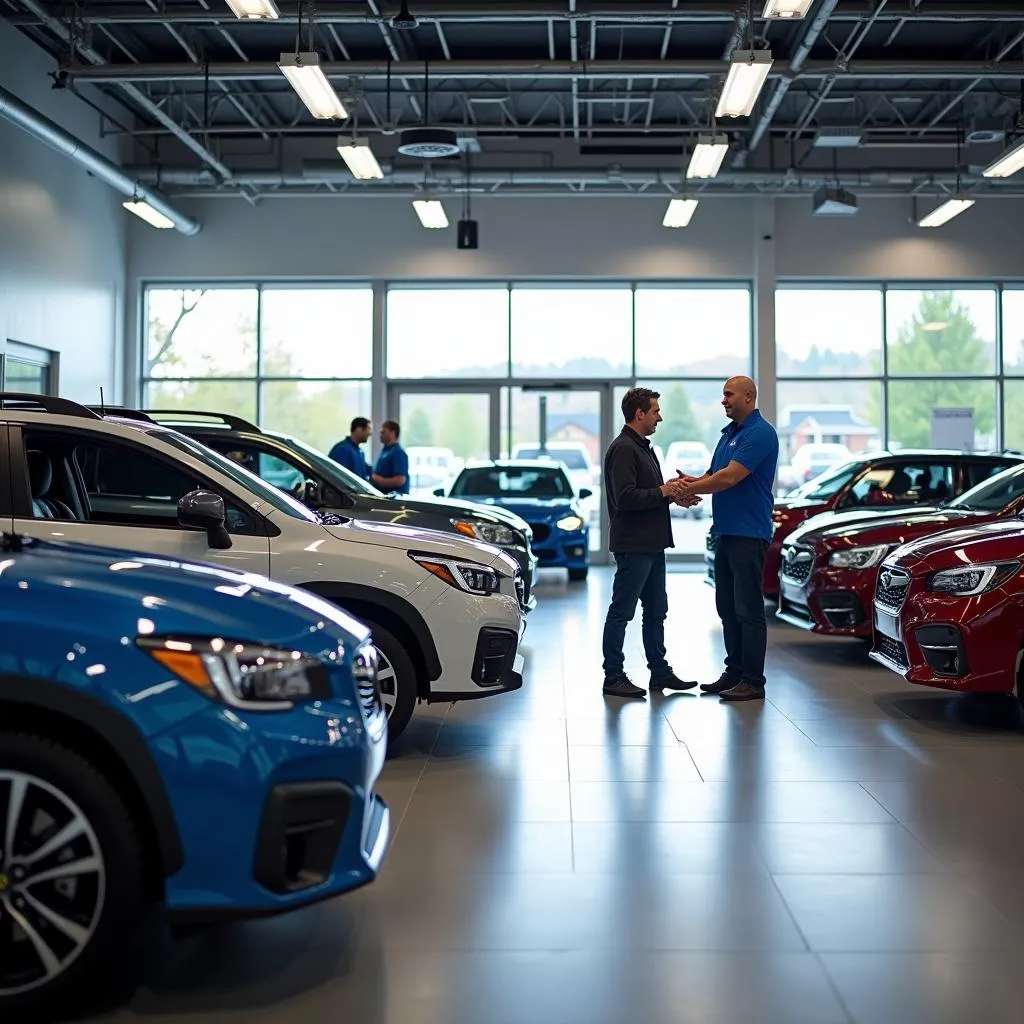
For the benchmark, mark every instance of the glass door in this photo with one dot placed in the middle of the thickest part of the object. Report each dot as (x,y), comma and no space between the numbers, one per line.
(443,429)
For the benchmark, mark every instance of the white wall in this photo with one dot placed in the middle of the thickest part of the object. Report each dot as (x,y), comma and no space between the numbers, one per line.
(62,235)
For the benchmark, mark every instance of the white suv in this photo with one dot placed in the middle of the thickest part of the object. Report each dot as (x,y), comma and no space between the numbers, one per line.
(446,613)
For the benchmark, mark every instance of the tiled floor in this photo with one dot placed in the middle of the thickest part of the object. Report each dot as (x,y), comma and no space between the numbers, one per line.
(850,850)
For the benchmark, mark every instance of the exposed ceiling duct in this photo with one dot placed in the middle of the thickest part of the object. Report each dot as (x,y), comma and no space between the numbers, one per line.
(41,127)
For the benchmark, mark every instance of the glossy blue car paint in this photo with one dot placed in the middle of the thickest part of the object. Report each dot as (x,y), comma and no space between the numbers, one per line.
(71,615)
(554,547)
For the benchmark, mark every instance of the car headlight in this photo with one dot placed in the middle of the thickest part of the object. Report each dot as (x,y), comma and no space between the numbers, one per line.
(248,676)
(470,577)
(858,558)
(972,579)
(570,523)
(490,533)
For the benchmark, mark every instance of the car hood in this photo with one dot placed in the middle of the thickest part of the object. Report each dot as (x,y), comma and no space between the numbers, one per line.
(797,504)
(127,593)
(532,509)
(407,538)
(984,542)
(841,527)
(456,508)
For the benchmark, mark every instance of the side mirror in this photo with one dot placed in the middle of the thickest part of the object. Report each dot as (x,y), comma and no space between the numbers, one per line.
(204,510)
(438,492)
(585,492)
(312,494)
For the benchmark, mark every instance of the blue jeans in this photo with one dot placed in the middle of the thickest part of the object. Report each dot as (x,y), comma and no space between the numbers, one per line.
(637,578)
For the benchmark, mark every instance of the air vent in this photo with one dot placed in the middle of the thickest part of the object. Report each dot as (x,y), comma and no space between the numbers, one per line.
(429,143)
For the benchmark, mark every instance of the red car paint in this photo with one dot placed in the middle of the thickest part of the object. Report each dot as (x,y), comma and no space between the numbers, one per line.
(986,630)
(834,491)
(836,600)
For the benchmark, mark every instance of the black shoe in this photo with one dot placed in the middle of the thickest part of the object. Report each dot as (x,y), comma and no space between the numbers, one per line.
(720,685)
(670,681)
(743,691)
(620,686)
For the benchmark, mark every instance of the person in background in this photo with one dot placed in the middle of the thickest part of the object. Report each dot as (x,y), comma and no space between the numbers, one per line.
(641,529)
(347,452)
(391,473)
(741,478)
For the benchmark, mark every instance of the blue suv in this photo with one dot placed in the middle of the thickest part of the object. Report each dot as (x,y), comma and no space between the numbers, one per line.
(170,733)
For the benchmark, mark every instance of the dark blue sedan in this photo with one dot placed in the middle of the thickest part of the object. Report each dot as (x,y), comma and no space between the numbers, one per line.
(541,493)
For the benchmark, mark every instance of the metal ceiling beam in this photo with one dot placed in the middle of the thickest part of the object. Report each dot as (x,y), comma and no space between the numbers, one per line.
(547,69)
(693,10)
(62,31)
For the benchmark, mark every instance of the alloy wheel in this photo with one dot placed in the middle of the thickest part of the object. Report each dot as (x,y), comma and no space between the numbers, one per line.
(387,680)
(52,882)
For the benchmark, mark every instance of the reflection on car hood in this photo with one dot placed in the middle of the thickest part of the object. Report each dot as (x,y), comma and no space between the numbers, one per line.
(460,509)
(979,543)
(864,526)
(785,504)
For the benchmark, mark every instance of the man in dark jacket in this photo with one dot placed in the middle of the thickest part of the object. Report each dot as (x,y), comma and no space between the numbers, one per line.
(641,530)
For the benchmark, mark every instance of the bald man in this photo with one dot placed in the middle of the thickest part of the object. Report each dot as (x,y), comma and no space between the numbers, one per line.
(740,480)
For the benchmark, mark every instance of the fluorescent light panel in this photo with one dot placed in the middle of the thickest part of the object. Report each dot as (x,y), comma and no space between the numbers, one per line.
(707,157)
(142,209)
(307,78)
(786,8)
(360,159)
(747,74)
(679,213)
(431,213)
(254,10)
(945,213)
(1008,164)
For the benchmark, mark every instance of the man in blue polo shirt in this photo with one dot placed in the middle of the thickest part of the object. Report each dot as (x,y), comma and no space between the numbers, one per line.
(347,452)
(740,481)
(391,473)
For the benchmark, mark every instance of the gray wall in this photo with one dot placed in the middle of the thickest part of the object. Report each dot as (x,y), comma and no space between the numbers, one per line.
(62,235)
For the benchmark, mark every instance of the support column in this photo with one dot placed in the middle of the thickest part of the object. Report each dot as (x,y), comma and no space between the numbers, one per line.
(378,386)
(764,308)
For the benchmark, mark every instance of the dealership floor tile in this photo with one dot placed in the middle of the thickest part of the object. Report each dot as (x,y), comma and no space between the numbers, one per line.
(848,851)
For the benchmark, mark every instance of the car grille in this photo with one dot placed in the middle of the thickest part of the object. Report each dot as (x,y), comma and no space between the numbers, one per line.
(797,564)
(541,531)
(891,649)
(369,697)
(520,590)
(892,587)
(710,542)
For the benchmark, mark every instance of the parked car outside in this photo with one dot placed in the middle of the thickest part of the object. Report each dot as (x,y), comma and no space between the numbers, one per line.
(170,733)
(830,563)
(544,496)
(446,612)
(812,460)
(878,480)
(431,467)
(692,458)
(326,487)
(947,610)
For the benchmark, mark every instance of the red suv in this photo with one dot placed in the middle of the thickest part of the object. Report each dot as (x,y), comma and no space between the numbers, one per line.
(879,479)
(948,612)
(830,563)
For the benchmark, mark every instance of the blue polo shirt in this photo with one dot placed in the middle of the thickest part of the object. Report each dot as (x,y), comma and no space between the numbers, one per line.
(348,454)
(393,461)
(745,510)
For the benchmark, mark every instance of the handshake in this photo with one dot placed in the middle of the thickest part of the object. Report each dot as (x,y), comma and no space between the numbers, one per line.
(678,491)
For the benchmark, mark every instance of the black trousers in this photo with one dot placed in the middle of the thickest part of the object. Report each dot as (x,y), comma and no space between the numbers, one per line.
(739,570)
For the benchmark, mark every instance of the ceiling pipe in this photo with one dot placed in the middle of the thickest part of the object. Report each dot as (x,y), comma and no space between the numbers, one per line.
(542,69)
(42,128)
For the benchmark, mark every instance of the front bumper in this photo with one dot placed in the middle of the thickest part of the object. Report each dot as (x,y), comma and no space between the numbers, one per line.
(834,602)
(559,549)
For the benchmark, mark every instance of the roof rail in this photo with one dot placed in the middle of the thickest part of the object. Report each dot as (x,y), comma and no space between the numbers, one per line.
(188,415)
(44,403)
(123,411)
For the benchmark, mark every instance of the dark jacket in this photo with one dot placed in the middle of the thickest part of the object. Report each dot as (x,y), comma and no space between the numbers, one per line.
(637,510)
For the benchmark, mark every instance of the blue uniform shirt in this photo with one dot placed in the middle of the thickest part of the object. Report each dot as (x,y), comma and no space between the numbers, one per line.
(745,510)
(348,454)
(393,461)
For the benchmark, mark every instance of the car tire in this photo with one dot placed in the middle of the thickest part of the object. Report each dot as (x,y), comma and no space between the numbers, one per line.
(577,575)
(101,905)
(397,678)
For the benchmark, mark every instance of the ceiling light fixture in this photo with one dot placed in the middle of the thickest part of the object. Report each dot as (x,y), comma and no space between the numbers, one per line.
(679,213)
(359,157)
(945,213)
(707,157)
(748,72)
(431,213)
(143,210)
(786,8)
(254,10)
(1008,164)
(307,78)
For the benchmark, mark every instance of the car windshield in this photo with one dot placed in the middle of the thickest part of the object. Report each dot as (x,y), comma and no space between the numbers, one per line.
(572,457)
(512,482)
(264,491)
(828,484)
(344,479)
(993,494)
